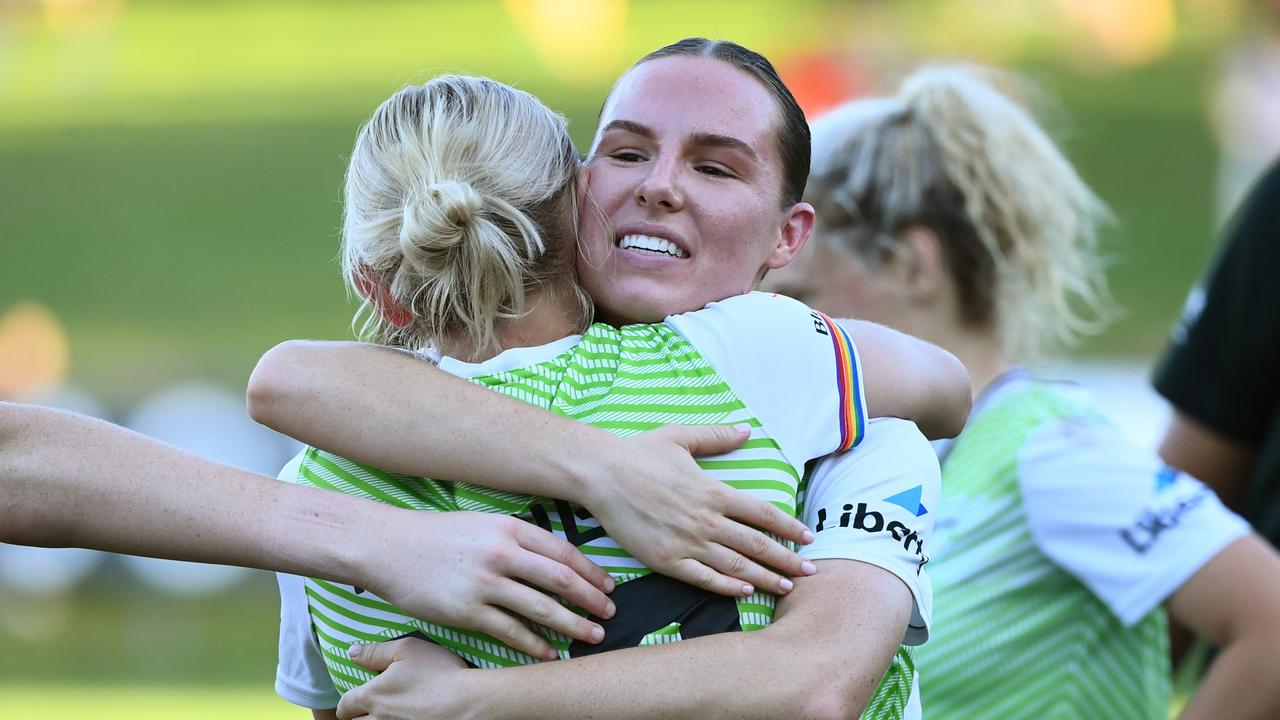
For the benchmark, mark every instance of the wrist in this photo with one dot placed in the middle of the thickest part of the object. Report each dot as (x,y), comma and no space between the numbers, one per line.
(589,468)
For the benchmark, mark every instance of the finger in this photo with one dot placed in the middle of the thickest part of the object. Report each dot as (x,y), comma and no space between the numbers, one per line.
(544,610)
(376,657)
(707,439)
(537,540)
(763,549)
(766,516)
(734,564)
(353,704)
(695,573)
(553,577)
(510,631)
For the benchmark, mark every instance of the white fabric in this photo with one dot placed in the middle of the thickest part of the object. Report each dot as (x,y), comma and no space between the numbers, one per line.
(1116,518)
(750,338)
(301,676)
(854,503)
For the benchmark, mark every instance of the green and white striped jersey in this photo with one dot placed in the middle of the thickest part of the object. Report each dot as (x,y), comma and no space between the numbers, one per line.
(1056,543)
(628,380)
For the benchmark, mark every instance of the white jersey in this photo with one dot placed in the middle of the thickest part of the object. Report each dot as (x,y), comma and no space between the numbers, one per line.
(1057,543)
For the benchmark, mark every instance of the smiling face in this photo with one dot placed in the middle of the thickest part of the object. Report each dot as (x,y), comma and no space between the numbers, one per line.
(687,170)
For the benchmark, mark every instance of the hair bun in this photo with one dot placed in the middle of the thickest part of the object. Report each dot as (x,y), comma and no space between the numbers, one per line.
(439,215)
(458,201)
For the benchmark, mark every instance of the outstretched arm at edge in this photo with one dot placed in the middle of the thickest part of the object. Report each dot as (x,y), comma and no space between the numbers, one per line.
(71,481)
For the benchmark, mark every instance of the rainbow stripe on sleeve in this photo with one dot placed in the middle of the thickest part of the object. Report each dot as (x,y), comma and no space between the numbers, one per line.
(853,418)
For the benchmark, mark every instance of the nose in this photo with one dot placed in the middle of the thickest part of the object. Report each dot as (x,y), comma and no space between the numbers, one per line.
(661,190)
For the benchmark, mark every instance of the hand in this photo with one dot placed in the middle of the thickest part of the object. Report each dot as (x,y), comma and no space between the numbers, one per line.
(656,502)
(418,680)
(469,570)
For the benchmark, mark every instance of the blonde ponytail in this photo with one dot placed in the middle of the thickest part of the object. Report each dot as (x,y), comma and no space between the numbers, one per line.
(949,152)
(459,199)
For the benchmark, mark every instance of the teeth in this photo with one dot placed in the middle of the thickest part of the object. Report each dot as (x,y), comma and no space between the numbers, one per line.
(652,244)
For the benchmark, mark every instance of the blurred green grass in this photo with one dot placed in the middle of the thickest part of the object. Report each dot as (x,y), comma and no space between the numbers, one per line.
(69,701)
(171,184)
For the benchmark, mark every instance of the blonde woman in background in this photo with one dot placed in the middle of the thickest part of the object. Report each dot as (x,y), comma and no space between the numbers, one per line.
(946,212)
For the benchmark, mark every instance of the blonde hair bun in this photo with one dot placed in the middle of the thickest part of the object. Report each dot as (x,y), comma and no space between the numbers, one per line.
(460,197)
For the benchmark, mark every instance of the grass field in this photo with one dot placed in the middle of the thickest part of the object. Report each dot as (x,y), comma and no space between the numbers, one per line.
(170,186)
(192,702)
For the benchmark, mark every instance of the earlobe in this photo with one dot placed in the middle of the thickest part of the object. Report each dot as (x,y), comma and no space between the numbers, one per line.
(797,225)
(371,287)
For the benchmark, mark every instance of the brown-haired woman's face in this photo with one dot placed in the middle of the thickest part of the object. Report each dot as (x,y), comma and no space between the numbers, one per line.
(687,171)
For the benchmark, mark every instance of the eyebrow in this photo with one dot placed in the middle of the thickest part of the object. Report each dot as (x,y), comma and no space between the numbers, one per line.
(700,139)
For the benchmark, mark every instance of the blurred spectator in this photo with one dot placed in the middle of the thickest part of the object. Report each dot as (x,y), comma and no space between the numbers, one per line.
(1222,370)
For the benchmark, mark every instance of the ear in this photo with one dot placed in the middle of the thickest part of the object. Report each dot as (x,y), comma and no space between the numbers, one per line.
(797,224)
(370,286)
(921,268)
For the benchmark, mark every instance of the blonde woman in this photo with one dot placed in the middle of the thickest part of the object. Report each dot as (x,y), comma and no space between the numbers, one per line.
(459,214)
(946,212)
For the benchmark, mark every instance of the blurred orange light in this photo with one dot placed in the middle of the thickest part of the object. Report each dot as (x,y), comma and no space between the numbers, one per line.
(34,354)
(580,41)
(1129,32)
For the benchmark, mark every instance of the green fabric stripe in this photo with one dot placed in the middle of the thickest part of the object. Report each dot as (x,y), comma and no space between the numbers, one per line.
(348,596)
(351,614)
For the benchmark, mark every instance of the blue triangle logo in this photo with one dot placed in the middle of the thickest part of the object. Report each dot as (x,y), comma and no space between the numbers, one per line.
(909,500)
(1166,478)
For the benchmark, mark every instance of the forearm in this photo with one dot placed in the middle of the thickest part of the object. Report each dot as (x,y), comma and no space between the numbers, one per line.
(763,674)
(1244,676)
(392,410)
(71,481)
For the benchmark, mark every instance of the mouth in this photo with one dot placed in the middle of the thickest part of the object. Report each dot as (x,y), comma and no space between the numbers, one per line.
(651,245)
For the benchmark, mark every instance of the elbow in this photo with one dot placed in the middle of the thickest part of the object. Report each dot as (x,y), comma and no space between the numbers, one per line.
(959,393)
(271,384)
(832,703)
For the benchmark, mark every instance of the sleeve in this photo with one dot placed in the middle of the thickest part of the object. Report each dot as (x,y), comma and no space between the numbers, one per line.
(795,368)
(877,505)
(301,676)
(1130,528)
(1221,365)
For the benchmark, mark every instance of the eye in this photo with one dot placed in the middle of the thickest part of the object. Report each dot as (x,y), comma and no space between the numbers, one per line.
(714,171)
(626,156)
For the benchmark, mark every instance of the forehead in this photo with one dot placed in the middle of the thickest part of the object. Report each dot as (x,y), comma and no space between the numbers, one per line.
(683,95)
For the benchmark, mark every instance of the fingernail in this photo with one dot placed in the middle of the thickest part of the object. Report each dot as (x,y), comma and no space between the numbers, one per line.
(609,585)
(551,655)
(609,610)
(747,589)
(597,634)
(354,651)
(808,568)
(743,428)
(786,585)
(808,537)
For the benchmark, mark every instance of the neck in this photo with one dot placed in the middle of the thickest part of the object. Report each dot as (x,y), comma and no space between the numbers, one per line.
(550,314)
(981,355)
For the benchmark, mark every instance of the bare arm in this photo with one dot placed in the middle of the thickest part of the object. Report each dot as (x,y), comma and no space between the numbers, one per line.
(71,481)
(909,378)
(392,410)
(1216,460)
(1234,602)
(731,675)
